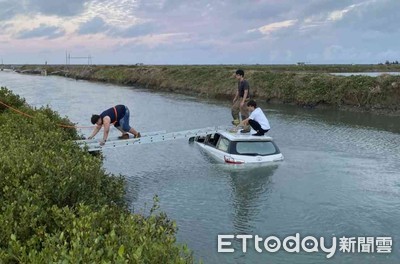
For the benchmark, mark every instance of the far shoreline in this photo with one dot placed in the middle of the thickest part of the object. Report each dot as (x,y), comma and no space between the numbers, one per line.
(308,86)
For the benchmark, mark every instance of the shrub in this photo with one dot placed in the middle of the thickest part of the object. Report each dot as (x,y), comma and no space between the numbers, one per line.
(7,97)
(57,204)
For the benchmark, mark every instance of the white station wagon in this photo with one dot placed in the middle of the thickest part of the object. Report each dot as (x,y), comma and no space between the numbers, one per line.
(237,148)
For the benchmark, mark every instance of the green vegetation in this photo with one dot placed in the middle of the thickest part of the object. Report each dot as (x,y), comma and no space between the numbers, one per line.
(57,204)
(305,85)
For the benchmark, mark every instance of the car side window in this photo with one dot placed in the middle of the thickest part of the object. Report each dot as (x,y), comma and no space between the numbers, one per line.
(213,139)
(223,144)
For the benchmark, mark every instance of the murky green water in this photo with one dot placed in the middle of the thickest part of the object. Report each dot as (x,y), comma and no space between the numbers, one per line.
(340,177)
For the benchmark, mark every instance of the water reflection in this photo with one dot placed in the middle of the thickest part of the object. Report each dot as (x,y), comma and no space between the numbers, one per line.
(250,186)
(331,116)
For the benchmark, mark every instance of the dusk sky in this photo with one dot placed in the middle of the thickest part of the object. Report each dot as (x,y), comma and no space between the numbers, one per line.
(200,32)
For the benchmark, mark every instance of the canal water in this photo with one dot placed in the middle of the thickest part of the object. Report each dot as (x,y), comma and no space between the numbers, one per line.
(340,177)
(371,74)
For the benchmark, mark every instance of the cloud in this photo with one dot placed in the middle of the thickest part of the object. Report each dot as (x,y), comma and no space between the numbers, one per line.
(137,30)
(373,15)
(48,32)
(98,25)
(168,6)
(269,28)
(118,13)
(338,15)
(322,7)
(258,31)
(53,7)
(160,40)
(93,26)
(261,10)
(5,26)
(59,8)
(8,9)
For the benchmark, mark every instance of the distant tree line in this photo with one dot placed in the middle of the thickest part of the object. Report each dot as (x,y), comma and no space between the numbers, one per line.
(389,63)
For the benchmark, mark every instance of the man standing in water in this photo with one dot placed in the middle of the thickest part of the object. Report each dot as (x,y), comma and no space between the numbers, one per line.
(119,117)
(257,119)
(239,102)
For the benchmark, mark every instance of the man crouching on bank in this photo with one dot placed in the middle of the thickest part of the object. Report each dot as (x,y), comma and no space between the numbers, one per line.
(119,117)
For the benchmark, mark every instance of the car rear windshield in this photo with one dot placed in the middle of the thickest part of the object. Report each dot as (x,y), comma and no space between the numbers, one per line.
(254,148)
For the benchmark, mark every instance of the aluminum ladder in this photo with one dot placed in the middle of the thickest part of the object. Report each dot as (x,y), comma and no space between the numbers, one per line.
(147,138)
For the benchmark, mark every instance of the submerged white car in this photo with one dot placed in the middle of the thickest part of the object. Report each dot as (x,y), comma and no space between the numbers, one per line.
(237,148)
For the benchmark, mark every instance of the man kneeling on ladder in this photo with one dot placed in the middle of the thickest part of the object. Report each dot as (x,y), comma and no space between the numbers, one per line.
(119,117)
(257,119)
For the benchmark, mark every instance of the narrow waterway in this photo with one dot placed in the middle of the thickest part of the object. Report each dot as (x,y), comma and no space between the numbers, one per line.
(340,177)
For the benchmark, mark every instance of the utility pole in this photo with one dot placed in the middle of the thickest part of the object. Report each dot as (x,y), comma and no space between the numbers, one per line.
(68,58)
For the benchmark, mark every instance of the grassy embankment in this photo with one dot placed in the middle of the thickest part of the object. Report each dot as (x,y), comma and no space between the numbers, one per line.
(307,85)
(58,205)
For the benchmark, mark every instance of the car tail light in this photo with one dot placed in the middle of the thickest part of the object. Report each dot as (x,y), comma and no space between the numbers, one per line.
(231,160)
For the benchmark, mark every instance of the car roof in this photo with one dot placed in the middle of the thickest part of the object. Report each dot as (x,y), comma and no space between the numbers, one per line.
(237,136)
